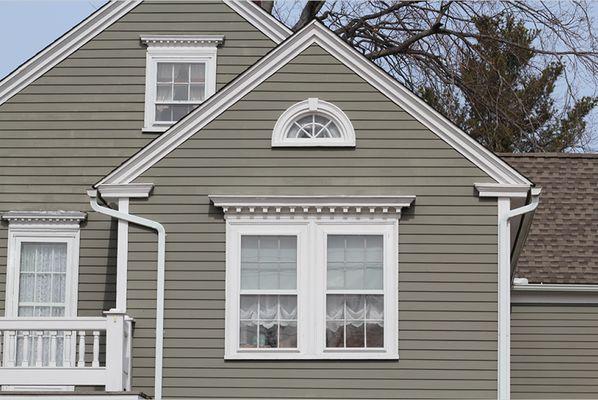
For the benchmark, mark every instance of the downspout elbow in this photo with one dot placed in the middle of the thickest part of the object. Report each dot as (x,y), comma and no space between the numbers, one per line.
(535,201)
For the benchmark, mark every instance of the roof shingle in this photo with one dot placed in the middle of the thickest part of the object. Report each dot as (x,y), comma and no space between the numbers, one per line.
(562,244)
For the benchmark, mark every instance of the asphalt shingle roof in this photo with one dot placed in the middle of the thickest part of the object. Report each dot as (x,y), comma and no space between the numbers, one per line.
(562,246)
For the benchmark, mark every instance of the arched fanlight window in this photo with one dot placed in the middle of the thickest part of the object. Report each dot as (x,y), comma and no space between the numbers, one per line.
(313,122)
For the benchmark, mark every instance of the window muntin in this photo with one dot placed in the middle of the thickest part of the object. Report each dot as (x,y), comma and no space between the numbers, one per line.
(313,126)
(268,297)
(355,291)
(180,87)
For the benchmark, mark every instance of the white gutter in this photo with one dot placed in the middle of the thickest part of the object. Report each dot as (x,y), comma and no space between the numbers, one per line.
(159,228)
(504,288)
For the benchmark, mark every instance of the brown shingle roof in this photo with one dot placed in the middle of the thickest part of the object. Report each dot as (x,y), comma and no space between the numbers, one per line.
(562,246)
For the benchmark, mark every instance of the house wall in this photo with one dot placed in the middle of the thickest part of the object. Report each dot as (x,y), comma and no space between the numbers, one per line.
(83,118)
(447,247)
(554,351)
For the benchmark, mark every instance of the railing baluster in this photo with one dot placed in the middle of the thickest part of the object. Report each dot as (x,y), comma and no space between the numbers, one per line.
(25,362)
(53,345)
(66,353)
(39,356)
(81,362)
(12,348)
(96,349)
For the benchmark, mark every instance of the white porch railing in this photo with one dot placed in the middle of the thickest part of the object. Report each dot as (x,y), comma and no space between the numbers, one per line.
(67,351)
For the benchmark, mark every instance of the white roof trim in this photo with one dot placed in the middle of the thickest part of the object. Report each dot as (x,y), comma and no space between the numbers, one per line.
(64,46)
(136,190)
(55,217)
(314,33)
(258,17)
(502,190)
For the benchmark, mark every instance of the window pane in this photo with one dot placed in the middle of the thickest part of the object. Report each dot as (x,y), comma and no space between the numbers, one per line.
(198,73)
(197,92)
(268,262)
(164,92)
(27,287)
(355,262)
(335,334)
(181,92)
(268,321)
(165,72)
(268,334)
(163,113)
(375,334)
(181,73)
(354,320)
(179,111)
(248,334)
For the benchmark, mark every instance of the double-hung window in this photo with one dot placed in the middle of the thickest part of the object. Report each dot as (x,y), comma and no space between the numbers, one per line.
(180,75)
(311,282)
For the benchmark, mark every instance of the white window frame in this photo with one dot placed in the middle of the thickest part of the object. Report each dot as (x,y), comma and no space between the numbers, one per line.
(311,235)
(176,49)
(307,107)
(17,235)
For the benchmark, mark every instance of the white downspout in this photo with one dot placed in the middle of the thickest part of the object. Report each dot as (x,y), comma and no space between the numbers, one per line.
(504,283)
(159,228)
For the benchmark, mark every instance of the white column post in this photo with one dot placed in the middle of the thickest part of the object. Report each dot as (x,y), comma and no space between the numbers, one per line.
(504,299)
(122,256)
(115,350)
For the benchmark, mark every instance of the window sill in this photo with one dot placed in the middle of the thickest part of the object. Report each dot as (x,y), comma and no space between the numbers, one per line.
(293,355)
(155,129)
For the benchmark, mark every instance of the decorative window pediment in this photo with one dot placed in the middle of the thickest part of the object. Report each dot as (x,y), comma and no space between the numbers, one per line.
(313,122)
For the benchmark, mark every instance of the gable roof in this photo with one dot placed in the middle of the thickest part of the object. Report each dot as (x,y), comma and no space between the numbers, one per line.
(561,243)
(313,33)
(101,19)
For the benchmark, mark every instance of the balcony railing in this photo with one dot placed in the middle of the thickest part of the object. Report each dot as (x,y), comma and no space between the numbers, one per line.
(84,351)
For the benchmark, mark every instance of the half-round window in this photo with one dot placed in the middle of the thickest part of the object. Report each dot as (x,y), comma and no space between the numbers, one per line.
(313,122)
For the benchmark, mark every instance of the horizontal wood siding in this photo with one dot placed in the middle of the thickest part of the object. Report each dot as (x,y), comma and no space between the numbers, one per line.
(448,248)
(554,352)
(83,118)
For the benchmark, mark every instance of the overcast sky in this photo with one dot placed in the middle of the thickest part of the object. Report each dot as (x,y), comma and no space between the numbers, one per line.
(27,26)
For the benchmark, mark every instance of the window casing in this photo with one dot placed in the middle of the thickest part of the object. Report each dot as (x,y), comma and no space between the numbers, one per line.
(313,293)
(180,75)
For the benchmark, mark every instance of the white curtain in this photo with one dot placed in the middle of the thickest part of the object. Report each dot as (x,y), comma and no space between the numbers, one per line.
(42,289)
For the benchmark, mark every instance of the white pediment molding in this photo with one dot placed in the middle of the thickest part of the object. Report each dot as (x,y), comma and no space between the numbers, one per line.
(182,40)
(44,217)
(330,205)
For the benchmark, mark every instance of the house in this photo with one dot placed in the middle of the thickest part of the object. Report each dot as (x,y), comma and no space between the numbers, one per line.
(189,193)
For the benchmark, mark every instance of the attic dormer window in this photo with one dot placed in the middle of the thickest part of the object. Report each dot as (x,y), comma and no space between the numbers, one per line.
(180,75)
(313,122)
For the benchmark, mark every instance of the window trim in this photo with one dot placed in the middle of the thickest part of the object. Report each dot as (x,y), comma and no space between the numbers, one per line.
(176,49)
(40,233)
(311,231)
(306,107)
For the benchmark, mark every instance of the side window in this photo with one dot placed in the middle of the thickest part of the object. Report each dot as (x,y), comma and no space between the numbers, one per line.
(180,75)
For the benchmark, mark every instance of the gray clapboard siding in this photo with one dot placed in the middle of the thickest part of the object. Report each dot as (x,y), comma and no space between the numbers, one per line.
(554,352)
(447,247)
(83,118)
